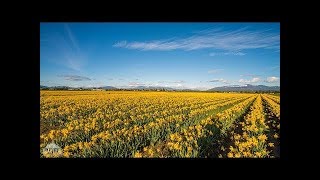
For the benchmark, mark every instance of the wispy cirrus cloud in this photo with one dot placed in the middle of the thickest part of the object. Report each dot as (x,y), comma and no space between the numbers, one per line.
(221,80)
(227,53)
(272,79)
(120,44)
(215,71)
(232,41)
(253,80)
(72,38)
(178,81)
(63,48)
(75,78)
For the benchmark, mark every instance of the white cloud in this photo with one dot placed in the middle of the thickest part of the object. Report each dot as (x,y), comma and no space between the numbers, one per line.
(232,41)
(220,80)
(120,44)
(272,79)
(178,81)
(227,53)
(215,71)
(136,84)
(75,78)
(243,81)
(173,84)
(253,80)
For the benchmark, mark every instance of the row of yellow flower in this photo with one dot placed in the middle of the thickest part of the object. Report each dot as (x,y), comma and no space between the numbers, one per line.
(274,98)
(251,141)
(185,142)
(273,110)
(274,107)
(63,109)
(129,139)
(91,125)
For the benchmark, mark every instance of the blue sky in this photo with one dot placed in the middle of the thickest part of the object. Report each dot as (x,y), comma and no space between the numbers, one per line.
(179,55)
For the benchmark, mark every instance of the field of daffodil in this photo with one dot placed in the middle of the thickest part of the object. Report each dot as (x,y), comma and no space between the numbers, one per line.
(107,124)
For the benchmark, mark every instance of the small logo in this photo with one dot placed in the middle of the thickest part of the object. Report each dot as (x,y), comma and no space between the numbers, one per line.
(52,151)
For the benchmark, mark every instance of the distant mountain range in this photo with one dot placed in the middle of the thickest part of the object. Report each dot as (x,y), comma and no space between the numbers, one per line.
(107,87)
(234,88)
(246,87)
